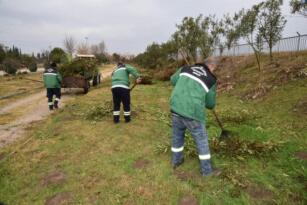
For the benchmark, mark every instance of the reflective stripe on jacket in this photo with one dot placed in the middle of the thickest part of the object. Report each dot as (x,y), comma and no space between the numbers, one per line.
(195,90)
(52,79)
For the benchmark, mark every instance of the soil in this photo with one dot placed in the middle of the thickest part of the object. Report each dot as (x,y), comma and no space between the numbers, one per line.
(301,107)
(2,155)
(34,108)
(58,199)
(301,155)
(53,178)
(141,164)
(188,200)
(259,193)
(184,176)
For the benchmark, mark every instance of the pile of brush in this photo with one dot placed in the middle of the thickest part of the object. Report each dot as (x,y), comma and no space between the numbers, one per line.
(146,79)
(240,148)
(98,112)
(80,67)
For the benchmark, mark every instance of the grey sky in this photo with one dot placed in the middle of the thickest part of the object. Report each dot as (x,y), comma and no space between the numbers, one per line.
(126,26)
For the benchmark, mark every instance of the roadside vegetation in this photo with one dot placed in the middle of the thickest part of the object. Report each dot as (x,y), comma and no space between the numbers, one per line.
(15,87)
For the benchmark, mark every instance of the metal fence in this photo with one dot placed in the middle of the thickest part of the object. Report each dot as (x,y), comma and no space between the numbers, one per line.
(290,44)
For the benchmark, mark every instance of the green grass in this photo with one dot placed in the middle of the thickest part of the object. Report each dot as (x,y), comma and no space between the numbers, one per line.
(98,158)
(10,85)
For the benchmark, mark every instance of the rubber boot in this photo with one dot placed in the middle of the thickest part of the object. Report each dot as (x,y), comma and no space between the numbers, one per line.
(116,118)
(56,104)
(127,119)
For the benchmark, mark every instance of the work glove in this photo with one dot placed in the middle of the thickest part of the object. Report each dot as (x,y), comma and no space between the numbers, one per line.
(138,80)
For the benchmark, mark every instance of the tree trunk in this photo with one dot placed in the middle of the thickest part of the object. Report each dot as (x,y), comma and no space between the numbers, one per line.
(271,54)
(258,59)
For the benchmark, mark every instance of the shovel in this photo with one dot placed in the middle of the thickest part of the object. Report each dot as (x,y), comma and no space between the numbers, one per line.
(225,133)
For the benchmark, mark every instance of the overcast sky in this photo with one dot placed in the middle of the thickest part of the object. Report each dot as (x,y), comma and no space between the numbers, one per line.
(126,26)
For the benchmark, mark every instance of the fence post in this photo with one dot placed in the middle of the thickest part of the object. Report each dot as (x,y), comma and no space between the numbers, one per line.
(298,41)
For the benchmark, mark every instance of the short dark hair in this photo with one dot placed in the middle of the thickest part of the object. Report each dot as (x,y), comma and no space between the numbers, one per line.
(120,64)
(53,64)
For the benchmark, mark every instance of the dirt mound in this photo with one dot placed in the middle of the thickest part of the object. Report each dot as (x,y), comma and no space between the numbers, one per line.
(60,198)
(2,156)
(301,155)
(300,108)
(141,164)
(188,200)
(185,176)
(53,178)
(259,193)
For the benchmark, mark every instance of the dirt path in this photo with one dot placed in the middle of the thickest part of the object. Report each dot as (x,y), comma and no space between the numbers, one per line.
(107,71)
(33,108)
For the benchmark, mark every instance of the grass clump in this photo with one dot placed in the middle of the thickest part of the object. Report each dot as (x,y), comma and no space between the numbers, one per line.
(240,148)
(99,112)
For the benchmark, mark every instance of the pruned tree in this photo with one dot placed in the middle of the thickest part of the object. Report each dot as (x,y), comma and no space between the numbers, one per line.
(198,36)
(70,44)
(272,23)
(299,6)
(230,30)
(249,30)
(188,37)
(212,31)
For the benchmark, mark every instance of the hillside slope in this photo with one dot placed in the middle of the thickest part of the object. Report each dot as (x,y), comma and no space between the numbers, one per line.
(78,156)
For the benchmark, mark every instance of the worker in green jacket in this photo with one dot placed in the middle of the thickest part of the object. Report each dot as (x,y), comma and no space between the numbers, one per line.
(52,81)
(195,90)
(121,89)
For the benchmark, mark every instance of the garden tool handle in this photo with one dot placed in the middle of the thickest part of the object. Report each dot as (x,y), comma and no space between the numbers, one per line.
(133,86)
(217,119)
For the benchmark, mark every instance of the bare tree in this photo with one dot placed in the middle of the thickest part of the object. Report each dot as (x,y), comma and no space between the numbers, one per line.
(69,44)
(83,48)
(99,49)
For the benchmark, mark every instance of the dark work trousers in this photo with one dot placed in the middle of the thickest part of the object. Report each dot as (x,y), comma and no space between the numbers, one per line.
(121,95)
(53,92)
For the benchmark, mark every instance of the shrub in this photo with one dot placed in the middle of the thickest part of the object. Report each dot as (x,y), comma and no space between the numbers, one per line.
(33,67)
(58,55)
(11,66)
(2,54)
(165,74)
(146,79)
